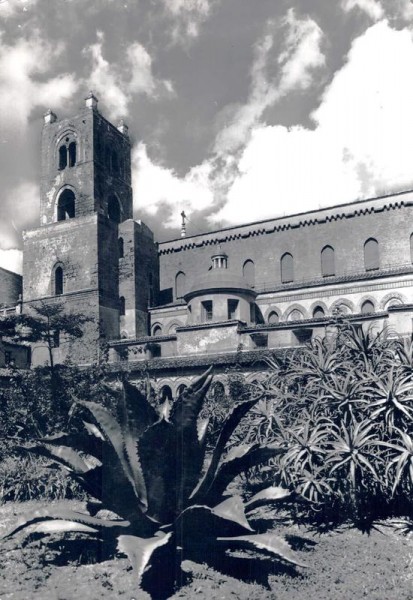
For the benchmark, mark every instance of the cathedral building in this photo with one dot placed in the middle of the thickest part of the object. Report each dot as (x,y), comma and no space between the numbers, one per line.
(226,297)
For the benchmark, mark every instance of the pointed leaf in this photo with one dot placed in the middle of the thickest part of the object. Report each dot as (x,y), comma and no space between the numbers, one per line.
(266,542)
(65,456)
(270,494)
(186,409)
(233,509)
(140,550)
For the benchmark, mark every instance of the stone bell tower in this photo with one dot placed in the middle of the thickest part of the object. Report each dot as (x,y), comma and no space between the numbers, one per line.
(75,257)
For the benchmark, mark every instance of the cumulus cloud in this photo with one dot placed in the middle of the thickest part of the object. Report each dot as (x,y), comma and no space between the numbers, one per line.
(11,8)
(24,81)
(119,82)
(188,16)
(12,260)
(372,8)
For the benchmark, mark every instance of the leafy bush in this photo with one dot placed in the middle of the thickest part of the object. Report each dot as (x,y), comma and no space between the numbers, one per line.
(343,410)
(150,470)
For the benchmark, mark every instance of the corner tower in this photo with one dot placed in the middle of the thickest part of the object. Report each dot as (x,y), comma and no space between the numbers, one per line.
(75,258)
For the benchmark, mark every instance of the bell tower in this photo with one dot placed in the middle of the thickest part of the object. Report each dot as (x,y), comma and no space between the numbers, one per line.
(88,254)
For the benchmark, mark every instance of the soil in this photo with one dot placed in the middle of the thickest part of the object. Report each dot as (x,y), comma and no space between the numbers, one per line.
(342,565)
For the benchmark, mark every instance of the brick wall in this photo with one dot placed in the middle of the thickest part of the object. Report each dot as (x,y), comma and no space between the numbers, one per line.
(10,287)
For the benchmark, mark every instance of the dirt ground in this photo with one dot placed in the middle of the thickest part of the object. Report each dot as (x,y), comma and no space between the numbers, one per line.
(342,565)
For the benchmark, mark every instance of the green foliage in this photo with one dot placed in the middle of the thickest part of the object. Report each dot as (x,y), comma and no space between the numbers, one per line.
(343,409)
(151,469)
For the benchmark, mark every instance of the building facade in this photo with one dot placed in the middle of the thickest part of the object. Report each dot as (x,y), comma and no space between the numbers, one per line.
(225,297)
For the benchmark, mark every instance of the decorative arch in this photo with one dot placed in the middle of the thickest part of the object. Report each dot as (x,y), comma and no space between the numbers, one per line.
(367,307)
(248,272)
(180,389)
(328,267)
(343,303)
(318,312)
(165,393)
(156,329)
(172,327)
(287,268)
(296,312)
(271,309)
(114,209)
(391,299)
(321,304)
(371,255)
(180,285)
(67,150)
(273,318)
(66,205)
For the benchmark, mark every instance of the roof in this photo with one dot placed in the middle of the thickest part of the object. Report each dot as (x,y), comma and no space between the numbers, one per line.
(219,281)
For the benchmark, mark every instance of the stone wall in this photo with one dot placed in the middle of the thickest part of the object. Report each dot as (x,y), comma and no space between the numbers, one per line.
(10,287)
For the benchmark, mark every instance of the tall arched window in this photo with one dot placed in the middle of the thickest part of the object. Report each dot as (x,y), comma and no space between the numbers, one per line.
(411,248)
(367,307)
(122,306)
(120,247)
(327,261)
(287,268)
(180,281)
(58,281)
(371,255)
(273,318)
(66,205)
(114,209)
(248,271)
(72,154)
(157,330)
(62,157)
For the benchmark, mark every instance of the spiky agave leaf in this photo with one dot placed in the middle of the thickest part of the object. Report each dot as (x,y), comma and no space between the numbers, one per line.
(229,426)
(115,435)
(267,543)
(66,456)
(43,515)
(267,496)
(86,442)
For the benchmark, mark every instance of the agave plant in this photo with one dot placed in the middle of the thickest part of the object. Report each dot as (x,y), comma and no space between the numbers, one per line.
(150,470)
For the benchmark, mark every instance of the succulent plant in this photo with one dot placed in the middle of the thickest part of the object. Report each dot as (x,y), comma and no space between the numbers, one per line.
(172,501)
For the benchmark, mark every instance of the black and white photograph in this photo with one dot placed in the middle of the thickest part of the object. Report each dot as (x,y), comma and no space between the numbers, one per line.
(206,299)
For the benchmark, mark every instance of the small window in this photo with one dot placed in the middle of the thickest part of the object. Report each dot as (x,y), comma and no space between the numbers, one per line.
(273,318)
(181,389)
(367,307)
(122,308)
(232,309)
(371,255)
(327,262)
(207,310)
(72,154)
(58,281)
(248,271)
(287,268)
(166,393)
(318,312)
(120,247)
(62,157)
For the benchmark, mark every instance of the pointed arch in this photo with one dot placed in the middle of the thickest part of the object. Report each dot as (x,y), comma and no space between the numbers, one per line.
(287,268)
(66,205)
(327,261)
(318,312)
(180,285)
(367,307)
(72,154)
(122,306)
(273,318)
(57,279)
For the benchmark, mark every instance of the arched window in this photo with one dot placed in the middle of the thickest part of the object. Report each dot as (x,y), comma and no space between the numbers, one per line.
(180,281)
(165,393)
(66,205)
(295,315)
(181,389)
(411,248)
(157,330)
(122,306)
(327,261)
(273,318)
(120,247)
(287,268)
(248,271)
(367,307)
(318,312)
(114,209)
(62,157)
(371,255)
(58,281)
(72,154)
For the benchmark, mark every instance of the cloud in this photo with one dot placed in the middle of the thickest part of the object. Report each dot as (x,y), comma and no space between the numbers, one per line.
(372,8)
(11,8)
(23,203)
(188,16)
(12,260)
(24,84)
(160,189)
(359,147)
(118,83)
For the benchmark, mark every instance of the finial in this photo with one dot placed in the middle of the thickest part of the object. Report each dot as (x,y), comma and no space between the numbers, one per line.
(183,225)
(91,100)
(49,116)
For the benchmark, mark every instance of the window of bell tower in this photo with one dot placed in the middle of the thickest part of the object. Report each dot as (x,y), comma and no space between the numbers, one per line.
(66,205)
(62,157)
(72,154)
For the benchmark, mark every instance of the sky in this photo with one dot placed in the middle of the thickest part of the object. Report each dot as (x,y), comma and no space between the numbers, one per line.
(238,110)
